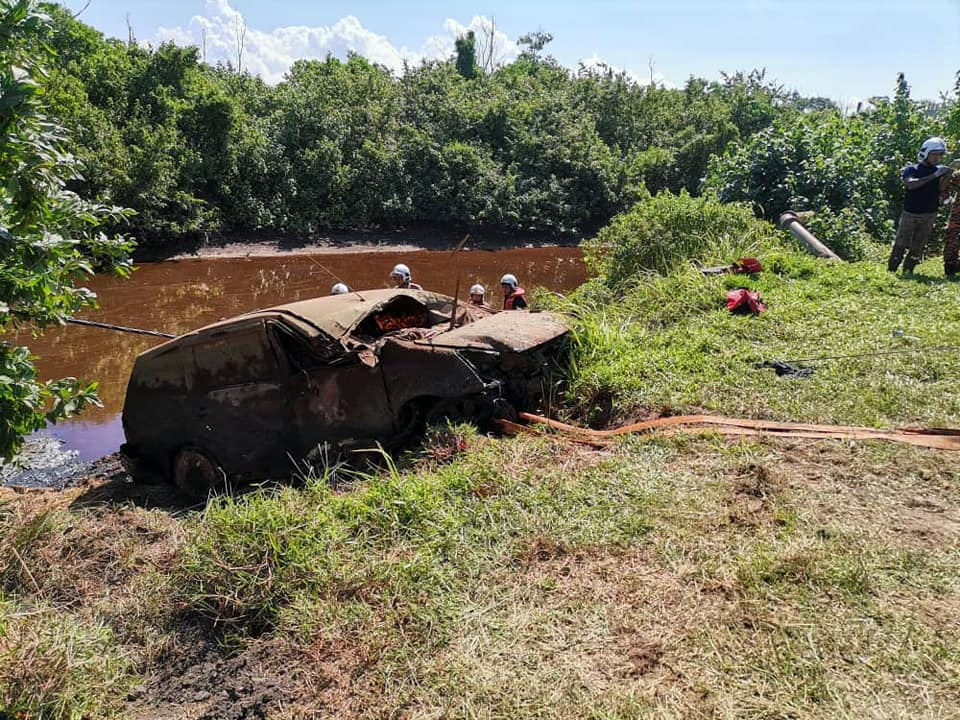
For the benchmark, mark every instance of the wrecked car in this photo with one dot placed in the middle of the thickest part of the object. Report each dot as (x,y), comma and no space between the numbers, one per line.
(245,398)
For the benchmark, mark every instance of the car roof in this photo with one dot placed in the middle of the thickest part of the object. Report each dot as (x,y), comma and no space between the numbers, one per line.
(332,316)
(336,315)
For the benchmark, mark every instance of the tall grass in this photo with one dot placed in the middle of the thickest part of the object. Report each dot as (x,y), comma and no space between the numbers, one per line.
(666,231)
(394,535)
(668,344)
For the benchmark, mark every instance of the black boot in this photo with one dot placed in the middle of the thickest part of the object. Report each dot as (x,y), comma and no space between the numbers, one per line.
(910,263)
(951,267)
(895,257)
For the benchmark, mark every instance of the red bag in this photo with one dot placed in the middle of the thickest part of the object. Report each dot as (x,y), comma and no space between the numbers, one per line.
(747,265)
(743,302)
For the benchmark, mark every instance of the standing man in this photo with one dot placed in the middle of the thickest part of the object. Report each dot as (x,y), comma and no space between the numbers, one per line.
(513,294)
(923,182)
(402,279)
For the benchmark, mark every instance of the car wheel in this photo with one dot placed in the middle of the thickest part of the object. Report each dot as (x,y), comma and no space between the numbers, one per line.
(410,422)
(455,410)
(195,474)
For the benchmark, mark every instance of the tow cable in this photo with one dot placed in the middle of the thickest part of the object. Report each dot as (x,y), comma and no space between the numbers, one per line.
(936,438)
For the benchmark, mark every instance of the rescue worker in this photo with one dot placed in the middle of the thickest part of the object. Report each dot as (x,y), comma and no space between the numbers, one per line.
(513,294)
(339,289)
(477,294)
(402,279)
(951,236)
(923,181)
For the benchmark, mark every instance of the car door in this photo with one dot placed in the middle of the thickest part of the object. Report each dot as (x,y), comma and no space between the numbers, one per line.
(335,399)
(239,390)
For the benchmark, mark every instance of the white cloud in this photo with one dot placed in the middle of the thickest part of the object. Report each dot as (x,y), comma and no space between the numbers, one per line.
(270,54)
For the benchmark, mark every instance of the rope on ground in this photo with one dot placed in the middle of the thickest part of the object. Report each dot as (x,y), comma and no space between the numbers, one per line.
(936,438)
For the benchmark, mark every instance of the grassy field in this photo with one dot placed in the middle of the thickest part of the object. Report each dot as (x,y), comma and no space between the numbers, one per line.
(689,577)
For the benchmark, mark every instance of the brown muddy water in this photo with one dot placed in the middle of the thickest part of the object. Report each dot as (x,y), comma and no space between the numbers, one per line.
(180,295)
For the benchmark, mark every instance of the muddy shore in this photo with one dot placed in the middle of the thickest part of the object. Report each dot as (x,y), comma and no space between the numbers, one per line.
(408,238)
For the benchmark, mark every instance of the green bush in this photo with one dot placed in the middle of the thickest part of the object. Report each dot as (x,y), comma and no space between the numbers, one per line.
(843,232)
(828,163)
(667,230)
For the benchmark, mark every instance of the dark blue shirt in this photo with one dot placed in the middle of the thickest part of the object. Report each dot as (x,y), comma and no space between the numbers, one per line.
(925,199)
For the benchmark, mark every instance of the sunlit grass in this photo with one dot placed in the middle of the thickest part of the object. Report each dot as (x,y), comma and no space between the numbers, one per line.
(670,345)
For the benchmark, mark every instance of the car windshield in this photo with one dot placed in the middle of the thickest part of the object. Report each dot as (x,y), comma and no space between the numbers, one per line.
(399,313)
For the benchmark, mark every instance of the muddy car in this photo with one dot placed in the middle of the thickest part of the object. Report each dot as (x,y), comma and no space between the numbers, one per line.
(245,398)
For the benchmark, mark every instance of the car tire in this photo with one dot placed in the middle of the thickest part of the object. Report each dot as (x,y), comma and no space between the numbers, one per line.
(459,409)
(195,474)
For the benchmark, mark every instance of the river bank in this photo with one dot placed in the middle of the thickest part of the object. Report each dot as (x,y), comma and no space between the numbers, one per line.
(409,238)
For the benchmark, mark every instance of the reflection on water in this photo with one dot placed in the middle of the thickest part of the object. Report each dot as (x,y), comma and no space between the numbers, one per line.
(177,296)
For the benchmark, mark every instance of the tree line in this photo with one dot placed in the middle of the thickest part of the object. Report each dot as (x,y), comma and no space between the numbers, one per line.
(197,149)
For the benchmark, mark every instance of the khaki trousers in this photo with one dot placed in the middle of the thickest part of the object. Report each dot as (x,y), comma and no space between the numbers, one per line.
(913,233)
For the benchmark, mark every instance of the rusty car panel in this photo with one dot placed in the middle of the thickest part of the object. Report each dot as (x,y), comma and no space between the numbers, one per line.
(503,332)
(248,394)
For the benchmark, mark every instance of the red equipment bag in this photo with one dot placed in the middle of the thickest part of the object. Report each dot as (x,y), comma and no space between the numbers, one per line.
(743,301)
(747,265)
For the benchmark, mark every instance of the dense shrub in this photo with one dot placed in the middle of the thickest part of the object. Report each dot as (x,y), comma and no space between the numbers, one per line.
(667,230)
(837,166)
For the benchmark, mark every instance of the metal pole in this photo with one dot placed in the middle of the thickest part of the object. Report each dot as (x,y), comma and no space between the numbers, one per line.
(119,328)
(790,221)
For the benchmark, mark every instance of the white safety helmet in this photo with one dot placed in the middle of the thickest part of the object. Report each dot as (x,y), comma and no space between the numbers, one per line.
(931,145)
(339,289)
(510,280)
(478,290)
(401,271)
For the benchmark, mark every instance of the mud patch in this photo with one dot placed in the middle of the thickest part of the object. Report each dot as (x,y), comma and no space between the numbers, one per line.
(752,499)
(201,680)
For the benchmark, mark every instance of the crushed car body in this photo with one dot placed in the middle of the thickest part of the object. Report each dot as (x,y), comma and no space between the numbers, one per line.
(244,398)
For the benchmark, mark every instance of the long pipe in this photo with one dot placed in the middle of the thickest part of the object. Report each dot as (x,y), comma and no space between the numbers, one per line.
(790,221)
(119,328)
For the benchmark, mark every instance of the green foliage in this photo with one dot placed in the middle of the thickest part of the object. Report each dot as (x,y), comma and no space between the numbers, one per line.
(665,231)
(49,237)
(466,46)
(844,232)
(529,146)
(828,163)
(196,149)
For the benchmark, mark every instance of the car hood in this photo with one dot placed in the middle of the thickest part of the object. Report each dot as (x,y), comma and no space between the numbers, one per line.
(509,331)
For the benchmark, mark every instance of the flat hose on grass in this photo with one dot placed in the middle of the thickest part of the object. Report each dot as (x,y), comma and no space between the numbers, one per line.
(937,438)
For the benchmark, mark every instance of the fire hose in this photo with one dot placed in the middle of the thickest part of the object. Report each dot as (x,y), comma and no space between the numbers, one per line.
(937,438)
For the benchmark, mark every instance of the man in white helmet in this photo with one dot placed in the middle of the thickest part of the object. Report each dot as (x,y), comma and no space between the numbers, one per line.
(402,279)
(477,294)
(513,294)
(339,289)
(923,182)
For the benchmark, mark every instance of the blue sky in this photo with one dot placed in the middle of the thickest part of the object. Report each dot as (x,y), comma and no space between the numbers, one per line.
(844,49)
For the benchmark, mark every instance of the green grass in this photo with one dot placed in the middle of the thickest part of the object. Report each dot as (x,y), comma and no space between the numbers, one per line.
(670,345)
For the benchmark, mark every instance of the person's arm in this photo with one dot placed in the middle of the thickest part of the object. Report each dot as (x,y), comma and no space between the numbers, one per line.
(914,183)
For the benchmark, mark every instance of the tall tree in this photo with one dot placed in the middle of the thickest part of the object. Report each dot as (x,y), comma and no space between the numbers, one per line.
(467,55)
(49,237)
